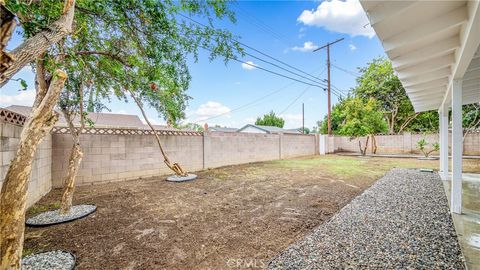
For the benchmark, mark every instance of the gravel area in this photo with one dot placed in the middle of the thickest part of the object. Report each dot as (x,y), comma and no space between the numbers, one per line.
(51,260)
(402,221)
(176,178)
(54,217)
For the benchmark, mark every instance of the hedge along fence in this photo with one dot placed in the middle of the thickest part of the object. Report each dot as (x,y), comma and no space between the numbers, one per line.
(405,143)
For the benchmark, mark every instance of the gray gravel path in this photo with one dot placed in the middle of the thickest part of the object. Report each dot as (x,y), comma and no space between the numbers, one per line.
(401,222)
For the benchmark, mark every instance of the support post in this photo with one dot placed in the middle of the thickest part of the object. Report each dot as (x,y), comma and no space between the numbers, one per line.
(443,132)
(457,148)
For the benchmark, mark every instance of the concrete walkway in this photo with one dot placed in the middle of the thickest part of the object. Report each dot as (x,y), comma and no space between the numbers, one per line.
(467,224)
(402,221)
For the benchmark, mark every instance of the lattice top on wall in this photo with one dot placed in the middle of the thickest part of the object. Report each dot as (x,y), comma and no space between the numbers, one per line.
(126,131)
(12,117)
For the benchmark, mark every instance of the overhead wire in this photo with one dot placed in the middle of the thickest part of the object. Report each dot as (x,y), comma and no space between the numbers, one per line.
(315,79)
(254,102)
(253,20)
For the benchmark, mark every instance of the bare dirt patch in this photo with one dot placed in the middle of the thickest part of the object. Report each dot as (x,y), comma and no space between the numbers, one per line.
(228,218)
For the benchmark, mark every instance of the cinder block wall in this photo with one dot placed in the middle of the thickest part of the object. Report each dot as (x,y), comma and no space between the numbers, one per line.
(228,148)
(298,145)
(110,158)
(401,144)
(40,179)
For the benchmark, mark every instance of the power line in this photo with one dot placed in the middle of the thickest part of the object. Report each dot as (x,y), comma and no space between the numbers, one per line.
(248,104)
(273,72)
(295,100)
(261,25)
(275,65)
(252,102)
(262,53)
(353,73)
(275,59)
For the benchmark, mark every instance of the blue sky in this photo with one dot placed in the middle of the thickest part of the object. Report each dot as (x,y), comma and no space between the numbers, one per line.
(286,30)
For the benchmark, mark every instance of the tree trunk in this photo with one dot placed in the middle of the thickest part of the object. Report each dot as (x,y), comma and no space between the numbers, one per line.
(74,162)
(76,156)
(14,190)
(35,46)
(363,150)
(175,167)
(374,144)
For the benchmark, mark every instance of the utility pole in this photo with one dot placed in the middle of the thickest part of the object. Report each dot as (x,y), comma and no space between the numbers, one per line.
(329,95)
(303,118)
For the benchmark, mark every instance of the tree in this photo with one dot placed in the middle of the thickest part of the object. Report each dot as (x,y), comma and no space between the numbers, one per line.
(362,119)
(317,128)
(337,117)
(305,130)
(135,48)
(138,49)
(471,118)
(378,81)
(39,122)
(270,120)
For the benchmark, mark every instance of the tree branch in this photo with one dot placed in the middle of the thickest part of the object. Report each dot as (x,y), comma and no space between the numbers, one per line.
(113,56)
(409,119)
(35,46)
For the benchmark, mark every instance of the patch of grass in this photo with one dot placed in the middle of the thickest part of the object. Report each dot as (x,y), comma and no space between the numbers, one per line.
(39,208)
(28,251)
(348,166)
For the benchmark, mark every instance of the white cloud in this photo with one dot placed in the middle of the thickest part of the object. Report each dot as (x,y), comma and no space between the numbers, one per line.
(345,17)
(352,47)
(209,109)
(307,47)
(25,98)
(249,65)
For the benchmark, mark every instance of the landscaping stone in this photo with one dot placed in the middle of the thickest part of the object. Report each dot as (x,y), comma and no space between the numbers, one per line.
(51,260)
(176,178)
(54,217)
(401,222)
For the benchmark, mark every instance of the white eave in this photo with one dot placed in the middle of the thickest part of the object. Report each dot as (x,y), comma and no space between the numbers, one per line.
(430,44)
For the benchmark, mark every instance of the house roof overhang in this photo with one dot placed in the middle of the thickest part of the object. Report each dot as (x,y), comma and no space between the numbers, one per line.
(430,44)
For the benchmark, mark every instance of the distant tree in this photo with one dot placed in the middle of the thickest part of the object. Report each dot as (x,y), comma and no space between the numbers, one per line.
(270,120)
(192,126)
(362,119)
(317,128)
(305,130)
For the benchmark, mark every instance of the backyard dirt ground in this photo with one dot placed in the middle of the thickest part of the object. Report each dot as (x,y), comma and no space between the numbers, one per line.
(229,218)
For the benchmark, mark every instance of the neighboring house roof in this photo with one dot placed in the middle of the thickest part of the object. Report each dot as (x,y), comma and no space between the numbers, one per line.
(223,129)
(269,129)
(99,119)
